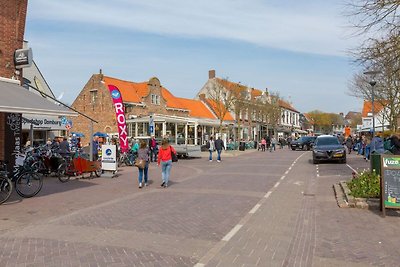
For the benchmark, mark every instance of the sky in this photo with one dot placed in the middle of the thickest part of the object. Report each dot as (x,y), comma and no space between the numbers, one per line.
(296,48)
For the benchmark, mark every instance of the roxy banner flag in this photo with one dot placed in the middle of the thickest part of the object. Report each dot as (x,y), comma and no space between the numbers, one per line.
(120,114)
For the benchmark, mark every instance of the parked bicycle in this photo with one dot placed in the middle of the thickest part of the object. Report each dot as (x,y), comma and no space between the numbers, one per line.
(26,181)
(78,165)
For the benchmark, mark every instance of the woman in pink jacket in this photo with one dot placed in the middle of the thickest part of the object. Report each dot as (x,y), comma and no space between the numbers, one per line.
(164,157)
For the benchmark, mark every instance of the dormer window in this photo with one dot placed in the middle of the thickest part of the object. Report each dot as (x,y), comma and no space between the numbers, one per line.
(155,99)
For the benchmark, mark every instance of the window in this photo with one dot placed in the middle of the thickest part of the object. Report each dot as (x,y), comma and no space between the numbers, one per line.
(93,96)
(155,99)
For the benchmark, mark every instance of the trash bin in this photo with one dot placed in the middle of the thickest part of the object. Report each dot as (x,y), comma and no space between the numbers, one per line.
(242,146)
(255,145)
(375,162)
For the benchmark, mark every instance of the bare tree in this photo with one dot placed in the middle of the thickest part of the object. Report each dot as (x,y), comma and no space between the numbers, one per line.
(222,96)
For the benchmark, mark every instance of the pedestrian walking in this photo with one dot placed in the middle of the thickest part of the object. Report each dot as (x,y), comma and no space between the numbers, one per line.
(165,159)
(349,143)
(273,144)
(211,147)
(153,149)
(219,145)
(263,144)
(143,154)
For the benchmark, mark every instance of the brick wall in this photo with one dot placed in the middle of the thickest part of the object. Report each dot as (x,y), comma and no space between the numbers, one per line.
(12,28)
(102,109)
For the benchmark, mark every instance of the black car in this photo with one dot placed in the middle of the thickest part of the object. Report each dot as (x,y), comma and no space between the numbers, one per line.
(303,143)
(328,148)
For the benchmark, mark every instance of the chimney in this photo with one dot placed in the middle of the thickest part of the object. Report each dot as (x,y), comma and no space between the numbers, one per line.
(202,97)
(211,74)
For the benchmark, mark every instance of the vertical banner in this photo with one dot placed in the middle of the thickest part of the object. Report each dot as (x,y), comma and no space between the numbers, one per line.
(13,132)
(120,114)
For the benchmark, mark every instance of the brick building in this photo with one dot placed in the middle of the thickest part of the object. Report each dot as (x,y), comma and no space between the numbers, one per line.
(173,116)
(12,29)
(16,99)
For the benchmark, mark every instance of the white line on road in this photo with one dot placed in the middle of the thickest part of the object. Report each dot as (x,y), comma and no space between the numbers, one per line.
(283,177)
(277,184)
(232,232)
(268,194)
(286,172)
(255,208)
(199,265)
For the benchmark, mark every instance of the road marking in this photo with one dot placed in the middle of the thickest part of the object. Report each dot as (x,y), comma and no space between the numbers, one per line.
(286,172)
(268,194)
(277,184)
(283,177)
(199,265)
(352,169)
(254,209)
(232,232)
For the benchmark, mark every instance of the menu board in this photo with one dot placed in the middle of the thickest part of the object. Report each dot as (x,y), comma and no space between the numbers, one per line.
(391,188)
(390,181)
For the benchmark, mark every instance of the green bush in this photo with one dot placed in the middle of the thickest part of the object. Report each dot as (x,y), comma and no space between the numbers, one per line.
(366,184)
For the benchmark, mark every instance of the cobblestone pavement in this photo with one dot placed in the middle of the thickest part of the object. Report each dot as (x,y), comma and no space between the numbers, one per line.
(252,209)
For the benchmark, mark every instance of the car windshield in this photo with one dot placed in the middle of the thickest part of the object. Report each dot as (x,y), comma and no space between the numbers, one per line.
(327,141)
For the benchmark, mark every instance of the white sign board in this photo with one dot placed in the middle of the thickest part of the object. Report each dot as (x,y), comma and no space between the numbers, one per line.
(109,157)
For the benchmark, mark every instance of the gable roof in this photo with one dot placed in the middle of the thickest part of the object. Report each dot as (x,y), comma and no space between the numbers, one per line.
(367,108)
(130,91)
(286,105)
(133,92)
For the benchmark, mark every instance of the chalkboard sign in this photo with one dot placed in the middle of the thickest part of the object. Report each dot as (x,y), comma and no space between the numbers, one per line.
(390,182)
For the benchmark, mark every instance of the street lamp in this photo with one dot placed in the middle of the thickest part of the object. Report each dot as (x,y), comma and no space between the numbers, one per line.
(372,82)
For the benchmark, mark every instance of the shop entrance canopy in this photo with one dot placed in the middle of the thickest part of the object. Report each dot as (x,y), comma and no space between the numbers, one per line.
(16,99)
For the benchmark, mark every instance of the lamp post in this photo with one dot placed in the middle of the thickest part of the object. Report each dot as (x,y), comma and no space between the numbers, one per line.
(372,82)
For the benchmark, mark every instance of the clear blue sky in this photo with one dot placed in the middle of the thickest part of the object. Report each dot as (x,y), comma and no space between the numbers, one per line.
(298,49)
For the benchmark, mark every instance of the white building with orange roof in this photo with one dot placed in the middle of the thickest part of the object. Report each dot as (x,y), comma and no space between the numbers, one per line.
(250,119)
(381,116)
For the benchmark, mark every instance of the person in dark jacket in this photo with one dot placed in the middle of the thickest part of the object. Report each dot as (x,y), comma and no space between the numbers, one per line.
(395,142)
(219,145)
(64,148)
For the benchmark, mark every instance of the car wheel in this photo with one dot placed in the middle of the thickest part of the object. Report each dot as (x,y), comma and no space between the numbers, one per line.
(305,147)
(314,161)
(293,148)
(344,161)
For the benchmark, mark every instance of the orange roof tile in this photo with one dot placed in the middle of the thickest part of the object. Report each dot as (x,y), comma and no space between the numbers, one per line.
(238,87)
(286,105)
(197,108)
(367,107)
(130,91)
(172,101)
(213,105)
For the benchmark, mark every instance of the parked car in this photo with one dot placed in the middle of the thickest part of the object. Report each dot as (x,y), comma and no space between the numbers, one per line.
(303,143)
(328,148)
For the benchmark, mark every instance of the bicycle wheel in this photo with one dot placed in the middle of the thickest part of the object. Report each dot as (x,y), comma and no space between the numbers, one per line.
(5,189)
(62,173)
(28,184)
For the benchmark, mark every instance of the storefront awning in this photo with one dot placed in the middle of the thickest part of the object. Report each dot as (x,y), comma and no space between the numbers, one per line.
(16,99)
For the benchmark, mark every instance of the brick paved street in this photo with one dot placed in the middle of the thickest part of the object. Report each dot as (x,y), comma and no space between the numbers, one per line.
(252,209)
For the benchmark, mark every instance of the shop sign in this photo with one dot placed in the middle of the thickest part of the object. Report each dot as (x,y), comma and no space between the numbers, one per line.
(23,58)
(41,122)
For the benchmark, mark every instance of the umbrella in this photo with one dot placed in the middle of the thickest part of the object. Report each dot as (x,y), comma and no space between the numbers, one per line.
(77,134)
(99,134)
